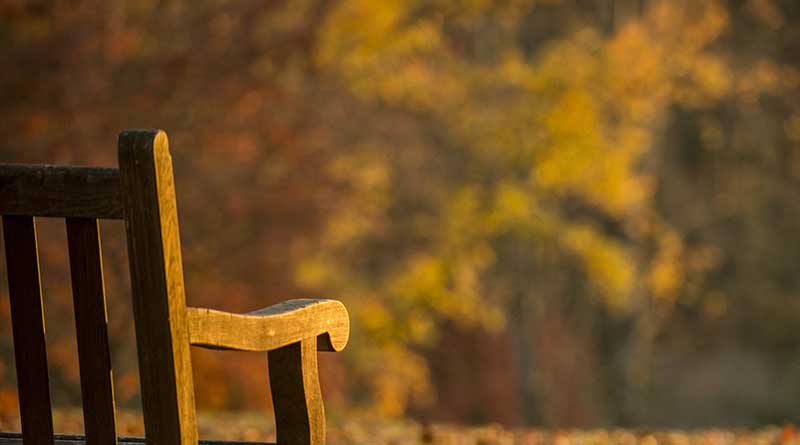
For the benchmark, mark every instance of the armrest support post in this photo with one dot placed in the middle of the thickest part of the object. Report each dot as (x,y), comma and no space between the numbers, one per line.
(296,396)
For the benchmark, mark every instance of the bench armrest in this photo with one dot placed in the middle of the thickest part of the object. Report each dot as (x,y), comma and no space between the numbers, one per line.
(272,327)
(292,332)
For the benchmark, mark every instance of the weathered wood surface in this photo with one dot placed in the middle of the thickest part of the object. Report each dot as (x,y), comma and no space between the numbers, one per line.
(70,439)
(60,191)
(91,327)
(27,325)
(142,192)
(296,396)
(273,327)
(159,303)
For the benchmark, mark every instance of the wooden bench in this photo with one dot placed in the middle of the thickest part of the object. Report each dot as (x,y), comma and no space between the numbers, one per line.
(142,193)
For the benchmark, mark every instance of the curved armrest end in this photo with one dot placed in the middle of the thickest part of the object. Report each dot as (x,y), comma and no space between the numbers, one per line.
(272,327)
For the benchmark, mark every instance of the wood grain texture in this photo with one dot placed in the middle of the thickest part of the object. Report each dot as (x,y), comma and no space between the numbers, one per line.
(296,396)
(272,327)
(71,439)
(27,325)
(159,303)
(60,191)
(142,192)
(91,326)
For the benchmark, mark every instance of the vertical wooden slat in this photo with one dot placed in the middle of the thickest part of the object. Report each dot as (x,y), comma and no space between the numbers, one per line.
(91,324)
(296,396)
(159,303)
(27,320)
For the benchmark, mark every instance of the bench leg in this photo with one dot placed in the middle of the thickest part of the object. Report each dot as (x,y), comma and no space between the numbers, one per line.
(296,397)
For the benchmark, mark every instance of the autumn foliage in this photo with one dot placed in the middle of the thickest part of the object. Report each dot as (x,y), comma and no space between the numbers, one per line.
(565,213)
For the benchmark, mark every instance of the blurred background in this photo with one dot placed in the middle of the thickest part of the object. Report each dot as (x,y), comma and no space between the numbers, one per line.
(575,213)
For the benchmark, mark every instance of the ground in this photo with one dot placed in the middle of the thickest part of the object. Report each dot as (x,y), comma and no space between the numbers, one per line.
(362,431)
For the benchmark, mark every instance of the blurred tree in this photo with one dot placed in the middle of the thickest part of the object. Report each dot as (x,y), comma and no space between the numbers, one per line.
(533,174)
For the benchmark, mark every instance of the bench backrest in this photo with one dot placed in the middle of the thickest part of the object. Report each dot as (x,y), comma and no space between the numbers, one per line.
(142,193)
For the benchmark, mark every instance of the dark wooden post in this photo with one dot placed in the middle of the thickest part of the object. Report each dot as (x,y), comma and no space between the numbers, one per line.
(294,382)
(159,302)
(27,324)
(91,327)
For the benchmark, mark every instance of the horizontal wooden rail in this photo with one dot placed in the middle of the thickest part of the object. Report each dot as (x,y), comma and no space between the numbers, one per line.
(273,327)
(60,191)
(70,439)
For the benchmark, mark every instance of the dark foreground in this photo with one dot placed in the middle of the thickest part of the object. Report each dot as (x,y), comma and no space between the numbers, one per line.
(258,427)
